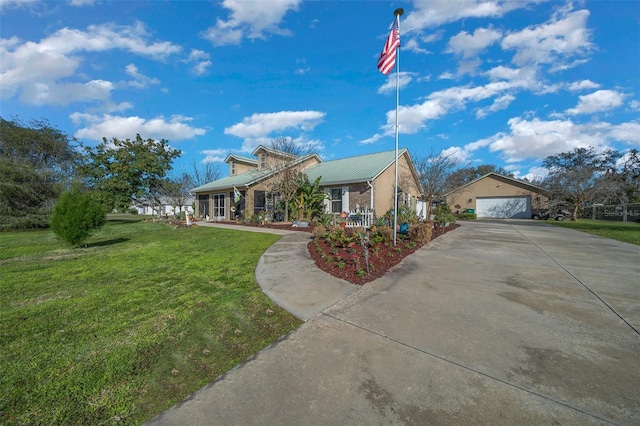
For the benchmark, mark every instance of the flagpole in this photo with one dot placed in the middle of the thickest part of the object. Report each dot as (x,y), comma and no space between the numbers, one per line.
(397,13)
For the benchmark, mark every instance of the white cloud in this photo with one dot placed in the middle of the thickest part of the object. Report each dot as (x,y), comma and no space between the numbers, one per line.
(626,132)
(140,81)
(260,128)
(413,46)
(66,93)
(430,13)
(250,19)
(433,13)
(500,103)
(470,45)
(81,2)
(601,100)
(537,139)
(200,60)
(456,153)
(390,85)
(214,155)
(554,42)
(583,85)
(446,76)
(30,66)
(14,3)
(111,126)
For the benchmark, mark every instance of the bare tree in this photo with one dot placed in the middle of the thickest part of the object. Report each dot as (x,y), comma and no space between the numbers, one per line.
(434,172)
(177,191)
(464,175)
(622,183)
(580,176)
(286,163)
(202,174)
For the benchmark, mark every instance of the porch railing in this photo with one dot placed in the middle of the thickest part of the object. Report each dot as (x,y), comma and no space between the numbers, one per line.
(355,219)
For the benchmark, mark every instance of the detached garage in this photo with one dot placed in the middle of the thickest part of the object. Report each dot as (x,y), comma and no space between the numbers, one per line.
(497,196)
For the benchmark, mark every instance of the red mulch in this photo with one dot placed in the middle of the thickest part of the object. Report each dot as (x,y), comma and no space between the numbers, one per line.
(381,258)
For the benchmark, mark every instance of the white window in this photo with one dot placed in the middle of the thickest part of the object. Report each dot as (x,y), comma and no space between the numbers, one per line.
(263,161)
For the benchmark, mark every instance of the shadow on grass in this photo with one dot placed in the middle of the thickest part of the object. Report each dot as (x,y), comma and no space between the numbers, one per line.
(108,242)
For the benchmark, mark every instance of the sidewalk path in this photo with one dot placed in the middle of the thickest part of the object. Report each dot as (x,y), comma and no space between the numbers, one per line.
(287,274)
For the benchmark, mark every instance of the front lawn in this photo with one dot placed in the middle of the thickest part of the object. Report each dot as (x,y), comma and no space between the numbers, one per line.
(123,329)
(629,232)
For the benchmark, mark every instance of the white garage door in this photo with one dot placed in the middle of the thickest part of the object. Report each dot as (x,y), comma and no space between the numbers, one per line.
(504,207)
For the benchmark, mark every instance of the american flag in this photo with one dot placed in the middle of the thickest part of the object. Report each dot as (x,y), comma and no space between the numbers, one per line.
(388,56)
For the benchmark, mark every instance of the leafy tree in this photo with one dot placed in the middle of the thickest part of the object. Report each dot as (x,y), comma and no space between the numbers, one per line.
(580,176)
(434,172)
(75,215)
(121,170)
(37,162)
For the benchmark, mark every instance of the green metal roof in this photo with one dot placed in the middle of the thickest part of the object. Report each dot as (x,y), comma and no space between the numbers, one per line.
(229,182)
(241,158)
(360,168)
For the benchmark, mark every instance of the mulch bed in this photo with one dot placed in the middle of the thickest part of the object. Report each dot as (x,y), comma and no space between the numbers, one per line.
(345,263)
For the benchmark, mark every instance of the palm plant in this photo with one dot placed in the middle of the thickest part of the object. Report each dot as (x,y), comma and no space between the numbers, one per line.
(309,199)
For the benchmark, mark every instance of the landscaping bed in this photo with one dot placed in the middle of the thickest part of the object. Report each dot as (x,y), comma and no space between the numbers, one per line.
(360,263)
(350,263)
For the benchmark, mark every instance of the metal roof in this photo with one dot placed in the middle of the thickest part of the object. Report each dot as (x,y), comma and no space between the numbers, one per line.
(240,180)
(360,168)
(241,159)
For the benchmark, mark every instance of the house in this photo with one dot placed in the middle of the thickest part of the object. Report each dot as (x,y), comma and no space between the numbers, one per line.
(363,183)
(497,196)
(164,207)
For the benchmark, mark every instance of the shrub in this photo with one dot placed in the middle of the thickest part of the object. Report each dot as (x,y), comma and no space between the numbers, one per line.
(420,233)
(443,214)
(75,215)
(325,219)
(380,234)
(319,232)
(339,237)
(467,216)
(380,221)
(407,215)
(29,221)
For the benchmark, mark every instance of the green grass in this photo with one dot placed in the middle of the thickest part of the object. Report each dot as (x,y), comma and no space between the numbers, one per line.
(125,328)
(627,232)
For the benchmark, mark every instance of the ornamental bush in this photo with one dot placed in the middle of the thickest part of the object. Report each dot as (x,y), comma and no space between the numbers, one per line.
(75,215)
(420,233)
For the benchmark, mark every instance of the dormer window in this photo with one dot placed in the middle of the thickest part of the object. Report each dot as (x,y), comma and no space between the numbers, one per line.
(263,161)
(233,167)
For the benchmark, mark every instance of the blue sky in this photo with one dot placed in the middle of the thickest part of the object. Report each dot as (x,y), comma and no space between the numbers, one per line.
(489,82)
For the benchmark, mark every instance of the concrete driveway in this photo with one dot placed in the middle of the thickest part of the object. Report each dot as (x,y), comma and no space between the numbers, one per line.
(499,322)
